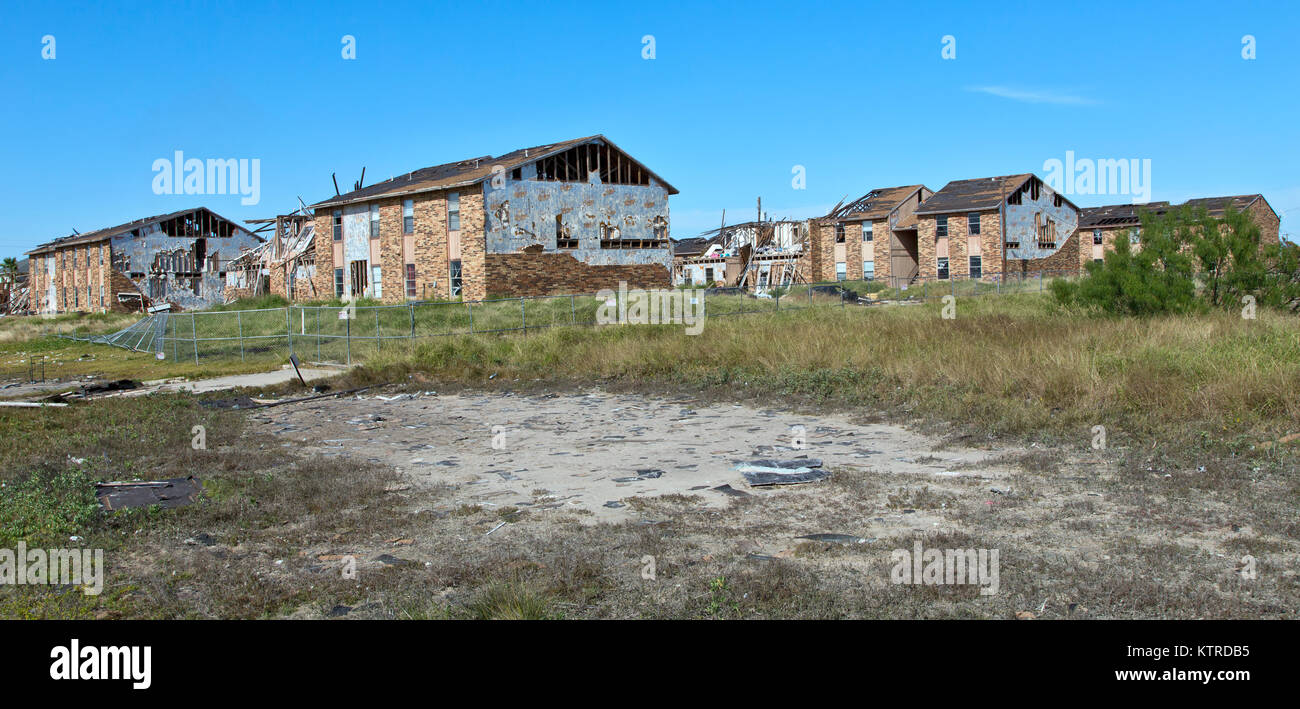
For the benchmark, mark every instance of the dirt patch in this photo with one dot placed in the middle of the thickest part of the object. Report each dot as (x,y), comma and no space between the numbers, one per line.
(593,453)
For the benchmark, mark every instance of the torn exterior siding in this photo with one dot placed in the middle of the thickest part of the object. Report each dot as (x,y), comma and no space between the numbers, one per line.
(523,213)
(1054,220)
(188,272)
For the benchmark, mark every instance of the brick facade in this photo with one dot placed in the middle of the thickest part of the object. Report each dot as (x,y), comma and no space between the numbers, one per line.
(959,252)
(544,273)
(81,279)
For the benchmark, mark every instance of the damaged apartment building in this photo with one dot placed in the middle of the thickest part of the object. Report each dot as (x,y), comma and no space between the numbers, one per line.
(174,261)
(571,217)
(986,228)
(873,237)
(754,254)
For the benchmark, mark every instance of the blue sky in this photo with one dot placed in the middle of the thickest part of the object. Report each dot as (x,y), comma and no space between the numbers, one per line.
(737,95)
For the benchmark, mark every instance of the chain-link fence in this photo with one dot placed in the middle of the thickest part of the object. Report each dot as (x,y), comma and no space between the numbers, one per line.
(357,332)
(31,370)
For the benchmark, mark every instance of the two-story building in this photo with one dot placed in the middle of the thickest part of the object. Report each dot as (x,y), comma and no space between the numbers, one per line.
(571,217)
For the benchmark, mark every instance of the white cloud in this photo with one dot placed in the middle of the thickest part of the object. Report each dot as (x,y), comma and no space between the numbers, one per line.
(1032,96)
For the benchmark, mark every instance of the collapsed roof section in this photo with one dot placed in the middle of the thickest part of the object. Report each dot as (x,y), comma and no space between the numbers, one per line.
(600,156)
(1122,215)
(876,204)
(184,223)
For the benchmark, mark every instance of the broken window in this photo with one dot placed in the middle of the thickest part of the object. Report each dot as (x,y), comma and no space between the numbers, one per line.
(660,228)
(942,269)
(1046,232)
(868,270)
(374,221)
(453,211)
(868,232)
(410,280)
(338,226)
(839,233)
(408,216)
(517,174)
(563,237)
(454,277)
(1135,235)
(1033,190)
(973,223)
(841,271)
(338,283)
(976,266)
(940,227)
(358,272)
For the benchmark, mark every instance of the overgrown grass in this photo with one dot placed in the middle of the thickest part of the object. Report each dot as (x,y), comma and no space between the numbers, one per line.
(22,328)
(1010,365)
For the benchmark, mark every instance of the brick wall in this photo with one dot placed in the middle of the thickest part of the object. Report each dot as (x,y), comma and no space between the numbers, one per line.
(1266,220)
(879,248)
(1066,258)
(118,282)
(990,242)
(544,273)
(324,240)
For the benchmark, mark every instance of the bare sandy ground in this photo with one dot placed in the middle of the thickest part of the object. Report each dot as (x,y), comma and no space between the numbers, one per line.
(589,453)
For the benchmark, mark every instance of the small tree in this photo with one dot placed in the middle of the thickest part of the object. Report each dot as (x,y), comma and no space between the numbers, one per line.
(1229,260)
(1157,278)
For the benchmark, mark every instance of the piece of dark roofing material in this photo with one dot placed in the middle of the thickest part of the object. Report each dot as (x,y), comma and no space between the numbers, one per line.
(174,492)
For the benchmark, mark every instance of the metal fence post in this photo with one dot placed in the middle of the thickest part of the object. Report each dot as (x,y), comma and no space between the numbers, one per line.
(348,337)
(379,342)
(573,310)
(523,315)
(239,318)
(194,332)
(318,333)
(288,329)
(411,307)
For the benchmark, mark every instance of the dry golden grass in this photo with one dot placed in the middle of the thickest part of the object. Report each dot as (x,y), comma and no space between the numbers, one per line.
(1004,365)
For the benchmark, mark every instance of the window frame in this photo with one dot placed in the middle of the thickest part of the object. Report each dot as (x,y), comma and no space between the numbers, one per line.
(868,232)
(942,271)
(973,224)
(336,227)
(941,226)
(374,221)
(338,283)
(975,265)
(410,281)
(840,233)
(455,277)
(453,211)
(408,216)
